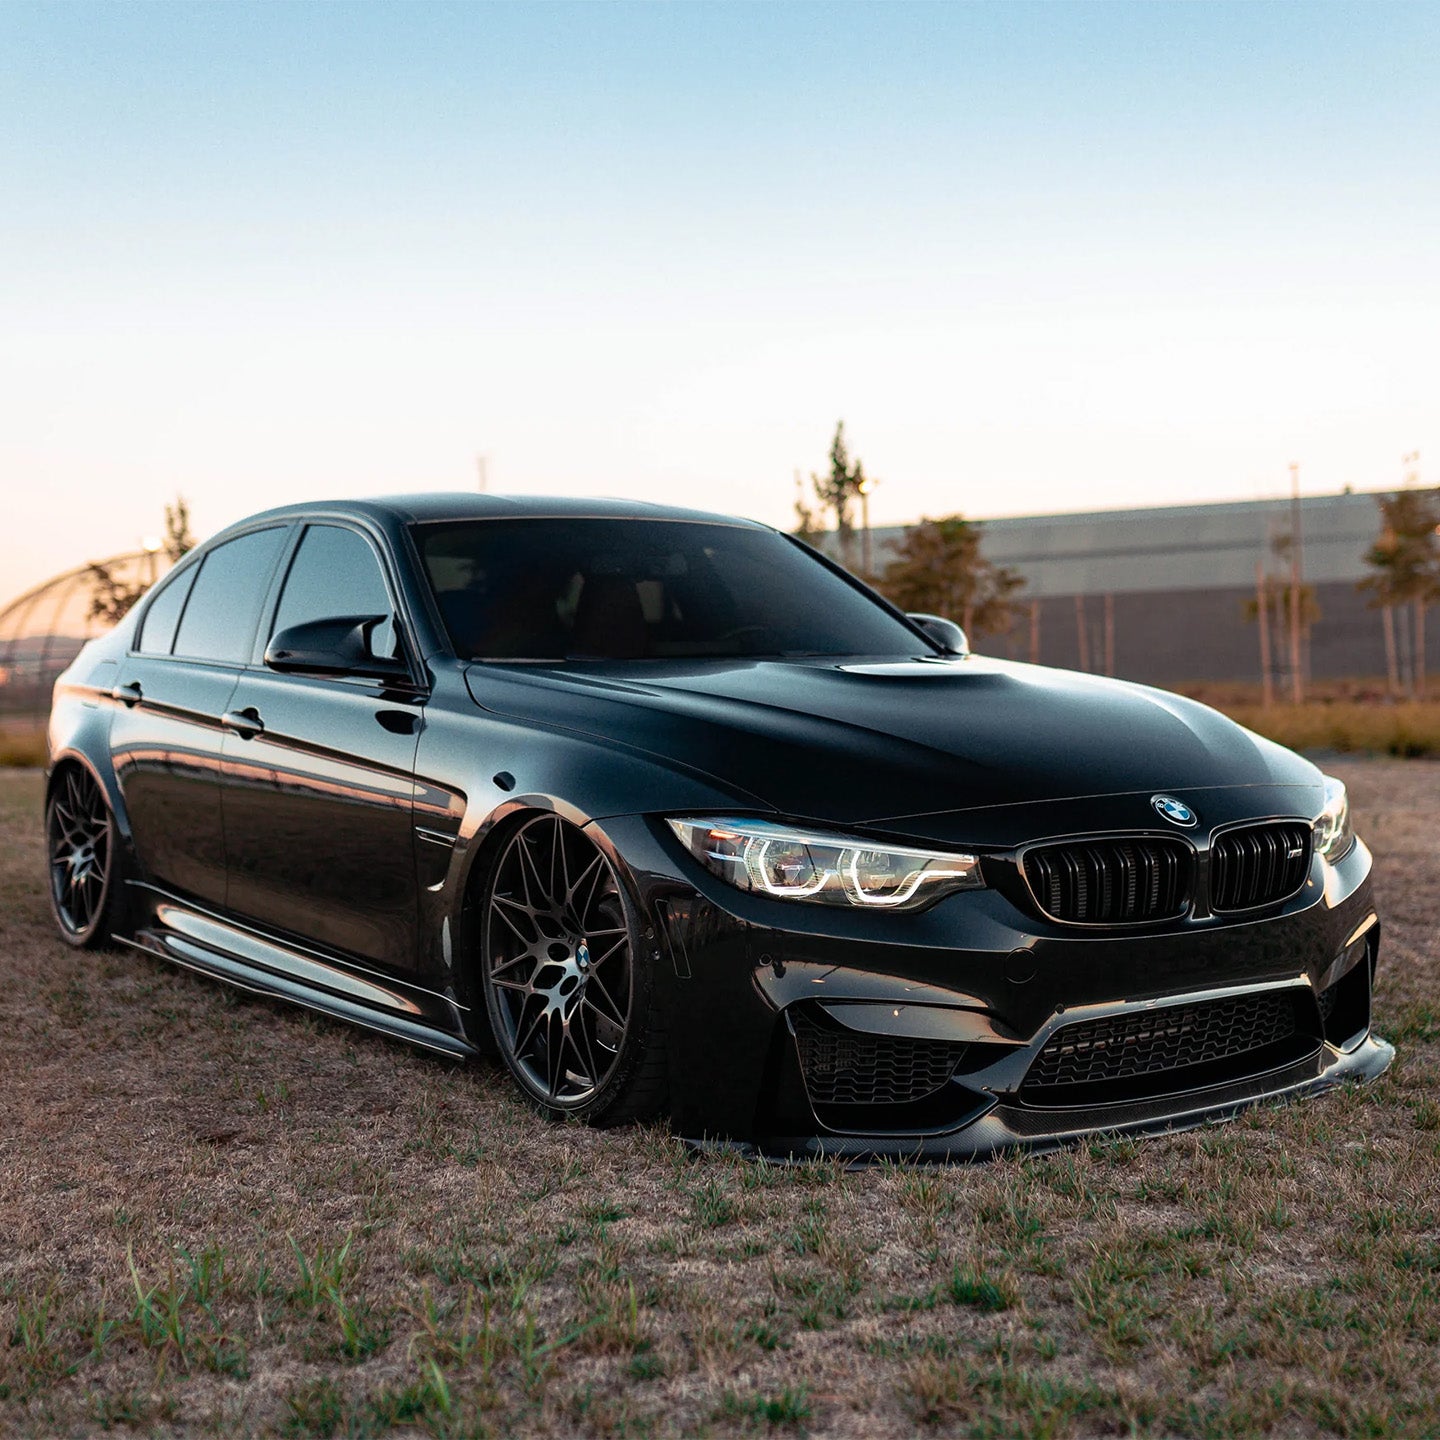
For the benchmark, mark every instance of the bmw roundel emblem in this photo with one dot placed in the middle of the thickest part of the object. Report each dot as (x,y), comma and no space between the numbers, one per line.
(1177,812)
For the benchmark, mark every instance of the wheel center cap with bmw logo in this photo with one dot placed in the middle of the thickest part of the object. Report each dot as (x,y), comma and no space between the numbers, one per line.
(1177,812)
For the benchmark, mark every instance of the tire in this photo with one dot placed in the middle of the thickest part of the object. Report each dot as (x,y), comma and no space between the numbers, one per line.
(82,848)
(569,987)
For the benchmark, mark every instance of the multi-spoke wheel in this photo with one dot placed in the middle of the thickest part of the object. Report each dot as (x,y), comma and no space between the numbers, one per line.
(566,985)
(81,843)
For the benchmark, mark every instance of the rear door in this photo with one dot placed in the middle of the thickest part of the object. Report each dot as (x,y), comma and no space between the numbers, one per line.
(195,634)
(319,784)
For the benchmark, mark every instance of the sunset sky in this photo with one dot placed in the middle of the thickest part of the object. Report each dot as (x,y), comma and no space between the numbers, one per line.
(1039,257)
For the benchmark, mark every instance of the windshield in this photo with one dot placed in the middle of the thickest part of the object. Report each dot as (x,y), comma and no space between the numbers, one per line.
(624,589)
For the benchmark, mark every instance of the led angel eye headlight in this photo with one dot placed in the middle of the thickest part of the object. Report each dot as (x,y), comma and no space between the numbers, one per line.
(1333,833)
(792,864)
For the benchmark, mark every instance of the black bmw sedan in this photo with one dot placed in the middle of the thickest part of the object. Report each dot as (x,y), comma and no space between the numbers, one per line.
(680,819)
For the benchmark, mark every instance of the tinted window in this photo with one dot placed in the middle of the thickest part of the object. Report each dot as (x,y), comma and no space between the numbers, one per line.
(219,621)
(162,614)
(335,572)
(645,589)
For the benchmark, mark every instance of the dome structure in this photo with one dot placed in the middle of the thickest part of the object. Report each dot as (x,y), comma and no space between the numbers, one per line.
(42,630)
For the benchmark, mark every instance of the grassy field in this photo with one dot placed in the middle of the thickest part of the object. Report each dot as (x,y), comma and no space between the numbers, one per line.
(221,1216)
(1336,723)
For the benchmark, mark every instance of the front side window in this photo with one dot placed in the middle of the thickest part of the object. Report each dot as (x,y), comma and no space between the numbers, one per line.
(627,589)
(219,619)
(335,573)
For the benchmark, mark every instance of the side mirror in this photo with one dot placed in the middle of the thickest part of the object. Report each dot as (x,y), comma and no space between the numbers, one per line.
(340,646)
(945,633)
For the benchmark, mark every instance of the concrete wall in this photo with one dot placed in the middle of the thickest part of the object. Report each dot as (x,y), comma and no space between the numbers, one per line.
(1167,637)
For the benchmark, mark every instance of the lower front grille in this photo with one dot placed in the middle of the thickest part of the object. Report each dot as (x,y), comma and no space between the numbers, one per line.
(1111,882)
(1129,1055)
(1258,865)
(845,1067)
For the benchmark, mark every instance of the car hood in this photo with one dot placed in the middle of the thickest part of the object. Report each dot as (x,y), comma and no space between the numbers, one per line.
(878,743)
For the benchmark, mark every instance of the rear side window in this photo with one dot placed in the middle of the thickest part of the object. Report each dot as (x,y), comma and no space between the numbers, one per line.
(219,620)
(335,573)
(162,614)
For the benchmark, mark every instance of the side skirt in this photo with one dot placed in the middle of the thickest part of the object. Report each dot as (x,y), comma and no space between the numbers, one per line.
(221,950)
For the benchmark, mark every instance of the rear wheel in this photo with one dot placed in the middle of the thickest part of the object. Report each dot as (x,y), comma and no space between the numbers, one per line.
(82,854)
(568,985)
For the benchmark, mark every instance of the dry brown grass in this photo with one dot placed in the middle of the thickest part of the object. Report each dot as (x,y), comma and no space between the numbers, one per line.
(22,742)
(1348,726)
(219,1215)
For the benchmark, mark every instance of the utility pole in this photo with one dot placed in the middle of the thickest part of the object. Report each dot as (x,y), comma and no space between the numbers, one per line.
(1297,575)
(482,473)
(866,485)
(1411,463)
(1267,686)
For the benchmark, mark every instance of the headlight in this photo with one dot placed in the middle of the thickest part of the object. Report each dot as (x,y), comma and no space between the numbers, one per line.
(825,869)
(1333,835)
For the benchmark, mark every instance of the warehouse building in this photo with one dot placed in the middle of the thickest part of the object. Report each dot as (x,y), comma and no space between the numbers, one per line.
(1161,595)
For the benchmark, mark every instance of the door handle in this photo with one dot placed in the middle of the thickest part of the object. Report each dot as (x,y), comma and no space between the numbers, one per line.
(130,694)
(246,723)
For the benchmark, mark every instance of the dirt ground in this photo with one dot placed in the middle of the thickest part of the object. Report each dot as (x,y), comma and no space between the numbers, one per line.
(219,1215)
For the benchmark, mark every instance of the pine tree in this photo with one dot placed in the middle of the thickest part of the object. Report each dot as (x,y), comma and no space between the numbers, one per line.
(835,494)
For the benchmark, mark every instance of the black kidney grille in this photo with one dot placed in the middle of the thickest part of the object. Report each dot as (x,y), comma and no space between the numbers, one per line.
(843,1067)
(1120,1047)
(1111,882)
(1259,865)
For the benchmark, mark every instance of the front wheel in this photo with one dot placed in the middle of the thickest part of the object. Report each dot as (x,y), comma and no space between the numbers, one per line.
(83,856)
(568,984)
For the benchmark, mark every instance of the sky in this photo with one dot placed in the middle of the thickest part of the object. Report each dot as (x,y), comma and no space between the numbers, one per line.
(1037,257)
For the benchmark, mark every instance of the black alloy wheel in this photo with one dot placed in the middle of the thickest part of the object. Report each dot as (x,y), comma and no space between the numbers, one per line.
(80,838)
(566,987)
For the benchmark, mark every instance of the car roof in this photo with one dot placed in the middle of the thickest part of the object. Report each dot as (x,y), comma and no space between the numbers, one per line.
(462,505)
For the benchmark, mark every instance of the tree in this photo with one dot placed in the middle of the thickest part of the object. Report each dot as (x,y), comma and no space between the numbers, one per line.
(178,539)
(835,493)
(1406,560)
(112,597)
(1273,601)
(938,569)
(809,524)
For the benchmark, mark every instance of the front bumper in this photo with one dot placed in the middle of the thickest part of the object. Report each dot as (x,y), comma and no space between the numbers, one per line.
(749,982)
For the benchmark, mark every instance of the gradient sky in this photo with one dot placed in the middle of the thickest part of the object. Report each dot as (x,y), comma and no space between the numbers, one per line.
(1039,257)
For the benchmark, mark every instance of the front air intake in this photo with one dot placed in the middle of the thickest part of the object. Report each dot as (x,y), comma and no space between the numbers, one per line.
(848,1067)
(1151,1052)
